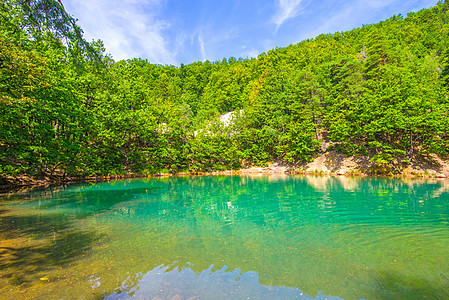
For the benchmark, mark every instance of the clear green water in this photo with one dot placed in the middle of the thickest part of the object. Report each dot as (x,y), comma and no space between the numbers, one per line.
(268,237)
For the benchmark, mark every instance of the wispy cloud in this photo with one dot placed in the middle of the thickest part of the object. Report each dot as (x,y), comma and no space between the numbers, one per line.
(211,42)
(127,27)
(173,32)
(202,48)
(287,9)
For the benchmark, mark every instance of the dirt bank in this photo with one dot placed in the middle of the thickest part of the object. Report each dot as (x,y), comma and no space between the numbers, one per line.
(333,163)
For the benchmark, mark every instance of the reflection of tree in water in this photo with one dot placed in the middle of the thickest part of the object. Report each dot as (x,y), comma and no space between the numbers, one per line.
(243,222)
(229,198)
(217,213)
(232,198)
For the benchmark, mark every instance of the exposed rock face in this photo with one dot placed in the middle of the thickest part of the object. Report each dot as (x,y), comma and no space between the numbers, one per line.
(436,167)
(228,118)
(274,168)
(340,164)
(225,120)
(335,163)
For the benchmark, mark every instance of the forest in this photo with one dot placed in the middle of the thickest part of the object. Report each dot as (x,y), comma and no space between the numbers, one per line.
(67,109)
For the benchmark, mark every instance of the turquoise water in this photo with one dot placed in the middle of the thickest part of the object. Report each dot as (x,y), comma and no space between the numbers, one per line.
(233,237)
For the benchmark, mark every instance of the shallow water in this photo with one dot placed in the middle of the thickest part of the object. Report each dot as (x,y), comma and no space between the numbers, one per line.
(234,237)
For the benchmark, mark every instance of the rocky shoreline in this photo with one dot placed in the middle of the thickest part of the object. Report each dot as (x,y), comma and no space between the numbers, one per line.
(332,163)
(326,164)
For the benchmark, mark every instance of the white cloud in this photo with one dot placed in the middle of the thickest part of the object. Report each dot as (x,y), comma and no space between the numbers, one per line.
(287,9)
(212,41)
(128,28)
(202,49)
(253,53)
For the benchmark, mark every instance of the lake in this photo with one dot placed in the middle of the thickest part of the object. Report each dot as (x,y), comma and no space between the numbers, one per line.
(228,237)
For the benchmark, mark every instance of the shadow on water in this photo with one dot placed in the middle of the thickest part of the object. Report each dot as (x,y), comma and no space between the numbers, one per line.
(34,244)
(35,241)
(392,285)
(60,251)
(21,262)
(84,203)
(32,226)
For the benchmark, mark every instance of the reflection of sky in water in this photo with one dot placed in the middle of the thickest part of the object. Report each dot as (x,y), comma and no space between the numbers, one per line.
(162,283)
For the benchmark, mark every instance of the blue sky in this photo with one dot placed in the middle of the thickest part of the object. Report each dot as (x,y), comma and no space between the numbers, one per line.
(184,31)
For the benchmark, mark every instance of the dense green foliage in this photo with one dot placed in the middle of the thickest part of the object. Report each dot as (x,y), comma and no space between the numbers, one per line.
(66,109)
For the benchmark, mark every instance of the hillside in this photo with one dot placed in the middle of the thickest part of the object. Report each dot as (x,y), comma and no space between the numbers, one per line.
(69,110)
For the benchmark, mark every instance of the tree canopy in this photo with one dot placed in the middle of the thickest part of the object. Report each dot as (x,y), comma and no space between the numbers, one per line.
(67,109)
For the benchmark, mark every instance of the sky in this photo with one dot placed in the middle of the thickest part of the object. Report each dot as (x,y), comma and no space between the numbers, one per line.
(171,32)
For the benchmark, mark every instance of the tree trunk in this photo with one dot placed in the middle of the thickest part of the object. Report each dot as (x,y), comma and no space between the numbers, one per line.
(56,130)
